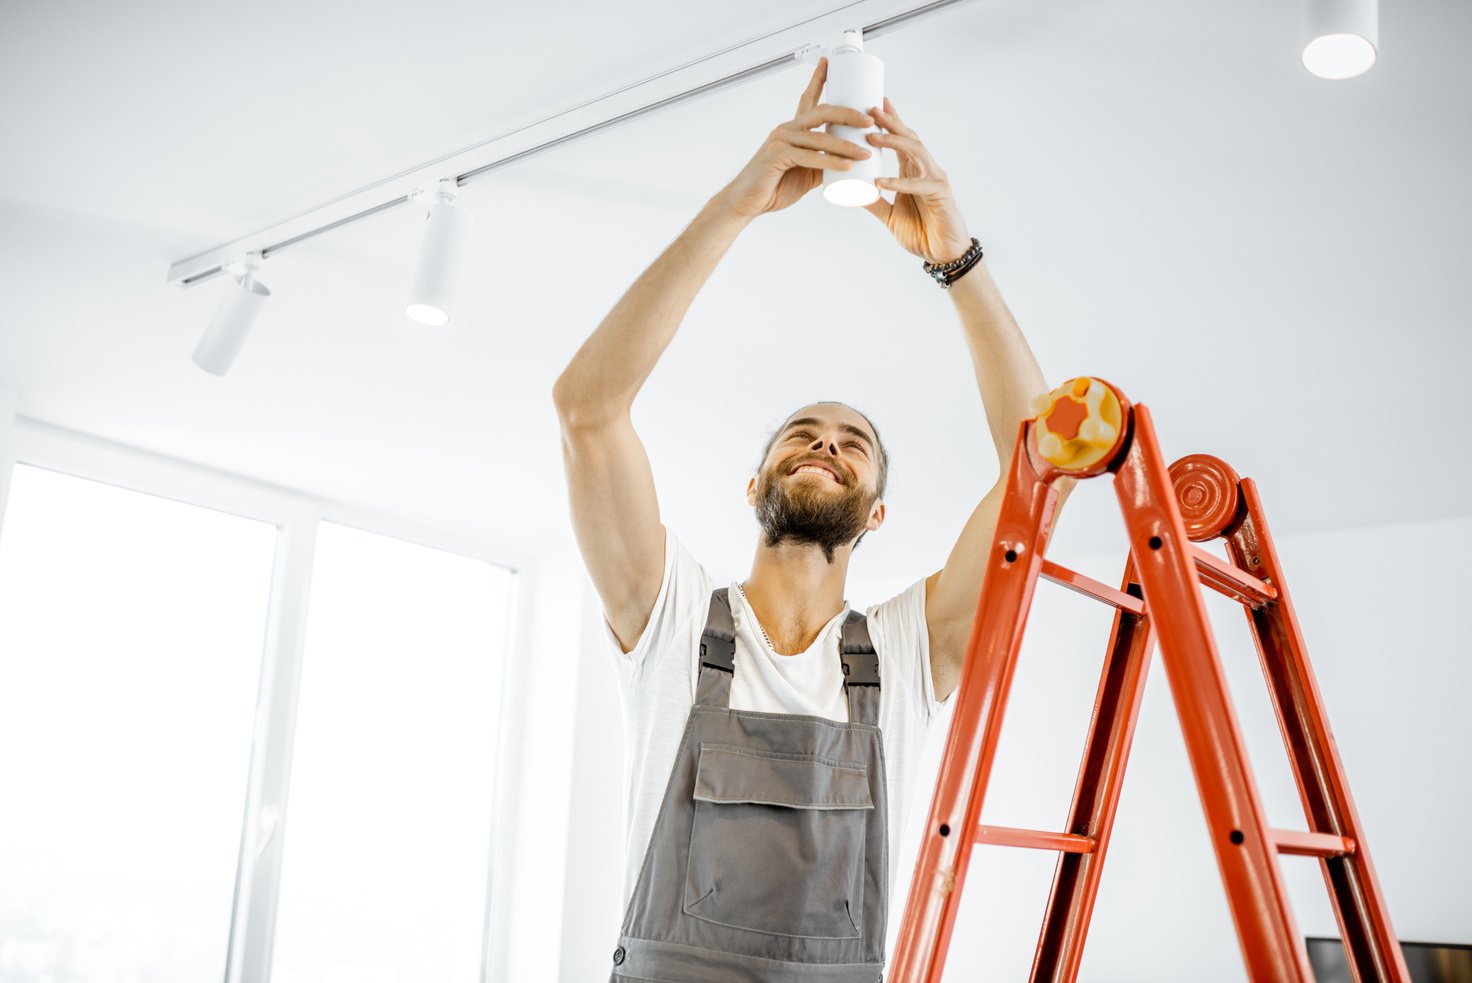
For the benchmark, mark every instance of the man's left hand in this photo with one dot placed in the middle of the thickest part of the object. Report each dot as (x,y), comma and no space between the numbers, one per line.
(923,217)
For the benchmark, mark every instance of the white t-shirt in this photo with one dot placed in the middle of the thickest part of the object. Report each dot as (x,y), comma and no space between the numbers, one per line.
(657,685)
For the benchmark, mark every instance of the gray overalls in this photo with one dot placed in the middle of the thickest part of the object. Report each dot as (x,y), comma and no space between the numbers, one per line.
(769,860)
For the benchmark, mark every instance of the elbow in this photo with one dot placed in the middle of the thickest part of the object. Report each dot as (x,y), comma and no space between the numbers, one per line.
(569,396)
(579,410)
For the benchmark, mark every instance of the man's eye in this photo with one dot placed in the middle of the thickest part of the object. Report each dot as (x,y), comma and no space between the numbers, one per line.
(858,446)
(802,433)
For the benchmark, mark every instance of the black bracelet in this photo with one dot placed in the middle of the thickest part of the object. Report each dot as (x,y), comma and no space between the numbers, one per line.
(946,274)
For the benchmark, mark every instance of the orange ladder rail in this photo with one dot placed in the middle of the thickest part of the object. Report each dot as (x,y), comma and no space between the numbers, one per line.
(1084,429)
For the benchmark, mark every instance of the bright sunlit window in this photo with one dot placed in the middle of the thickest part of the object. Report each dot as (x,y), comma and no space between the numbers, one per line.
(131,632)
(388,823)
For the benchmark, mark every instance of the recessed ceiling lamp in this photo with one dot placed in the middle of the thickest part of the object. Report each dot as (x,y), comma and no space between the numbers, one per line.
(855,80)
(244,298)
(441,251)
(1340,37)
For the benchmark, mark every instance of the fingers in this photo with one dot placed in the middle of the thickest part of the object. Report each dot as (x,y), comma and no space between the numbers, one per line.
(818,162)
(912,148)
(815,87)
(880,209)
(818,115)
(890,120)
(817,140)
(914,185)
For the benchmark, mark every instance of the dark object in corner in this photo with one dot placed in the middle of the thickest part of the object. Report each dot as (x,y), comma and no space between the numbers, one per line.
(1429,962)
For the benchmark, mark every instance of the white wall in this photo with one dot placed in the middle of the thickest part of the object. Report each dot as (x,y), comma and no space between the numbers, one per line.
(9,400)
(1382,612)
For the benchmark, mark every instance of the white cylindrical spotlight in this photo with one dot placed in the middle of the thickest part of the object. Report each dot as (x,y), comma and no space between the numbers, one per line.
(244,298)
(1340,37)
(441,251)
(855,80)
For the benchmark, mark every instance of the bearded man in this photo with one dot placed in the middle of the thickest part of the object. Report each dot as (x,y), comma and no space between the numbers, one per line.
(771,732)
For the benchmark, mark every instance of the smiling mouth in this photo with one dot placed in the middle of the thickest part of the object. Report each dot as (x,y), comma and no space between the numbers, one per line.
(817,470)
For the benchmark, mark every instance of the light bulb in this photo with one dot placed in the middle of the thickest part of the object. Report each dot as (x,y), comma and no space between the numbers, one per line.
(1338,56)
(851,191)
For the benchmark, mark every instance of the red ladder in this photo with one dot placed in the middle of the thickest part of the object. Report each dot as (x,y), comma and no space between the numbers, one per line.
(1084,429)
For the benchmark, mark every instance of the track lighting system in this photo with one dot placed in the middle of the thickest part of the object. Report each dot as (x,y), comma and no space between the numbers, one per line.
(441,254)
(244,298)
(1340,38)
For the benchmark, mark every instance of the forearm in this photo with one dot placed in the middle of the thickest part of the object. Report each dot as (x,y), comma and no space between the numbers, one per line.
(1006,371)
(612,365)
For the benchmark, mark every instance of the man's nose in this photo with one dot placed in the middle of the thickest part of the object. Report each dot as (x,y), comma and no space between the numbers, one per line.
(825,443)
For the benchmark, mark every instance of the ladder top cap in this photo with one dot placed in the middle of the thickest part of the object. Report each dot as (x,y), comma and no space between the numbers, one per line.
(1079,426)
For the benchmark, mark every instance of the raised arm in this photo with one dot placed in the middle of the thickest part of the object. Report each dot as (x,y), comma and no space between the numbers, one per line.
(926,221)
(615,512)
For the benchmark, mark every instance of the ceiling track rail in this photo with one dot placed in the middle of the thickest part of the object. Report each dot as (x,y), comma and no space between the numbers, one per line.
(704,76)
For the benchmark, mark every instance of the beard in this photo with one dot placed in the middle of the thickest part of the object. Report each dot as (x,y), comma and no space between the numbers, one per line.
(791,510)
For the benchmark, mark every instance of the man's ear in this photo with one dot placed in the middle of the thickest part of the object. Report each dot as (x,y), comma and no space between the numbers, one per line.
(751,492)
(876,516)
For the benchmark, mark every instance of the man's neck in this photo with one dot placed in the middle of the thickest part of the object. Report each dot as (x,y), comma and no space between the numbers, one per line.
(794,591)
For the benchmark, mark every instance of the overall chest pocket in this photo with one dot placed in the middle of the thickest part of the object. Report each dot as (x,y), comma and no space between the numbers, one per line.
(778,842)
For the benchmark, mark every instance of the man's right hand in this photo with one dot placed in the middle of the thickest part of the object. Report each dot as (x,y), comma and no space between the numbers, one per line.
(791,162)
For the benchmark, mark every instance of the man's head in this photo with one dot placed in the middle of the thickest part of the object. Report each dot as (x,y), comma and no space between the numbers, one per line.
(821,478)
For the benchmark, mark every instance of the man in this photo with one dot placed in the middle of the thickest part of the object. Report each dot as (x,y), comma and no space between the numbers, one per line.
(773,733)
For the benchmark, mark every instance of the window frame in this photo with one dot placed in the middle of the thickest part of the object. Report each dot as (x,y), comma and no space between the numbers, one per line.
(296,516)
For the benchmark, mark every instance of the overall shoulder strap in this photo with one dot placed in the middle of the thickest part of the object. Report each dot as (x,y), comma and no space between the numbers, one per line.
(860,670)
(717,652)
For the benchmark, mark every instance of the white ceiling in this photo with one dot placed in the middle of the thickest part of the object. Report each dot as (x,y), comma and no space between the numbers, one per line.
(1275,264)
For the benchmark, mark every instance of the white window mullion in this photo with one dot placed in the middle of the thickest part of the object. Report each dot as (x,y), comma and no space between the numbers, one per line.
(258,880)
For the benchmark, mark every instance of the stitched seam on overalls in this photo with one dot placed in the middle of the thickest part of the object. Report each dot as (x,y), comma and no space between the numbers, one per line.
(744,955)
(785,756)
(825,721)
(782,935)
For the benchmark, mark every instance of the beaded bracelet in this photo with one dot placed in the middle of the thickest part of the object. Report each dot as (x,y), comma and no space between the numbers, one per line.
(946,274)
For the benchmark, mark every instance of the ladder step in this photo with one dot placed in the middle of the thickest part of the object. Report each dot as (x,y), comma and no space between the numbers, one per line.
(1226,579)
(1301,844)
(1034,839)
(1074,580)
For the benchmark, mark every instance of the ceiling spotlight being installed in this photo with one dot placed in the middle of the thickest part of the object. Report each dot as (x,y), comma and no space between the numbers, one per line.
(441,251)
(1340,37)
(855,80)
(244,298)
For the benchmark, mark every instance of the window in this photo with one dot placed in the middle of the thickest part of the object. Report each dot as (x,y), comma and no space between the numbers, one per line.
(131,632)
(388,821)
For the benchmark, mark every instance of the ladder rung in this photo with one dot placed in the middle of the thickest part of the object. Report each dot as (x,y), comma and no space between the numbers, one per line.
(1034,839)
(1302,844)
(1226,579)
(1074,580)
